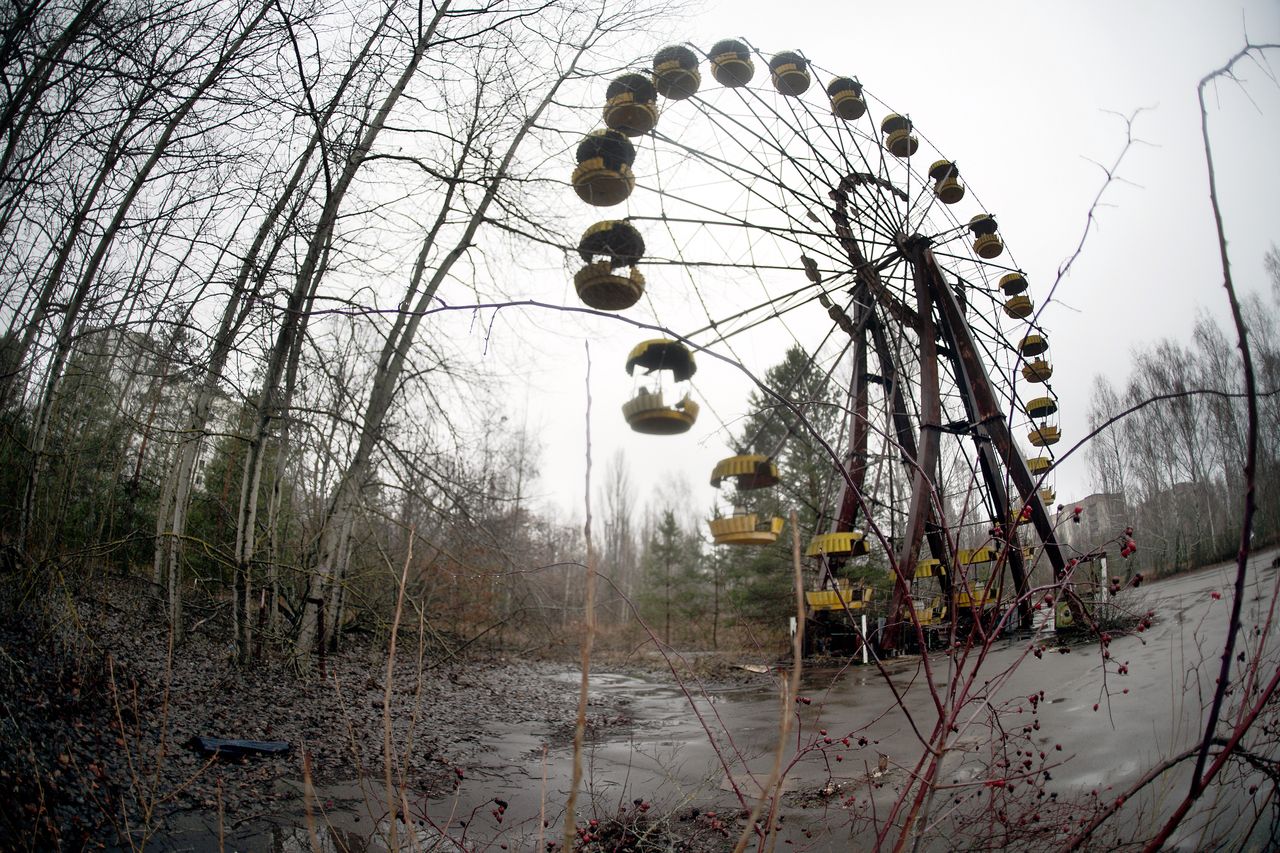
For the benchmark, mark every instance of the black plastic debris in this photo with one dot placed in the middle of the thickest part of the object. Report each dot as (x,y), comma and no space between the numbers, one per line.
(232,748)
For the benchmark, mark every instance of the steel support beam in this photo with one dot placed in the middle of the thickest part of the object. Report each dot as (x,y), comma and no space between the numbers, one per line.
(987,413)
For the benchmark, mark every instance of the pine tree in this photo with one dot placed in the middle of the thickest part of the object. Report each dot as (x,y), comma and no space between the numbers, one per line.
(760,580)
(673,577)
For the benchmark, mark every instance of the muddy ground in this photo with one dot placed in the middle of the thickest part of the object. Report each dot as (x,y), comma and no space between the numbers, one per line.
(97,719)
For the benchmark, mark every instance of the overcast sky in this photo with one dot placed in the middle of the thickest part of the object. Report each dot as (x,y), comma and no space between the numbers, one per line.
(1028,97)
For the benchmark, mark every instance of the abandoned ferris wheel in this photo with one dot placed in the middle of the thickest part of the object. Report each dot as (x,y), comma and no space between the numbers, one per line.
(820,190)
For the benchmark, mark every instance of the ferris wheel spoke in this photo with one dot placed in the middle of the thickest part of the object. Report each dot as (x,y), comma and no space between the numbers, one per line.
(838,170)
(772,314)
(795,231)
(839,166)
(787,232)
(739,170)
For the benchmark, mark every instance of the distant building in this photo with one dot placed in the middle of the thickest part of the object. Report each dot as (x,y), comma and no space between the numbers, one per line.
(152,392)
(1103,517)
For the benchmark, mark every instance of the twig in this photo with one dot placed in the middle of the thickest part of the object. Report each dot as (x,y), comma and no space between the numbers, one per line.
(1091,216)
(308,798)
(542,801)
(588,635)
(387,754)
(1200,777)
(1251,439)
(772,789)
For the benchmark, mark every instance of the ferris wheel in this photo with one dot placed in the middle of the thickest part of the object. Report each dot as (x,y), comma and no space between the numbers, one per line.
(777,178)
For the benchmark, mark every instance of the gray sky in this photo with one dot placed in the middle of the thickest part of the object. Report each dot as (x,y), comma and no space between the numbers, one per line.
(1027,98)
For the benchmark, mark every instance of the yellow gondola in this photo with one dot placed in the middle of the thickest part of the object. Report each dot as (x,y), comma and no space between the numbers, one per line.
(946,181)
(731,63)
(745,528)
(930,612)
(1043,436)
(1037,370)
(1042,407)
(1019,307)
(616,244)
(675,72)
(973,556)
(846,98)
(930,608)
(645,411)
(971,589)
(1039,465)
(1013,283)
(748,471)
(603,176)
(930,568)
(790,73)
(1048,496)
(897,135)
(974,594)
(987,243)
(1033,345)
(846,594)
(631,105)
(848,544)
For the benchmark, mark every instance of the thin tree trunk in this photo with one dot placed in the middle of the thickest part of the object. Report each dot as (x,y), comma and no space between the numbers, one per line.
(72,233)
(395,352)
(87,278)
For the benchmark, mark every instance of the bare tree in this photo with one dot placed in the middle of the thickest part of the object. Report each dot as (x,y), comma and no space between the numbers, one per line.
(277,226)
(473,162)
(230,41)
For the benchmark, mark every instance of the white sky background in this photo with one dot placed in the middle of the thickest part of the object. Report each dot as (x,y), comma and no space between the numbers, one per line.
(1020,95)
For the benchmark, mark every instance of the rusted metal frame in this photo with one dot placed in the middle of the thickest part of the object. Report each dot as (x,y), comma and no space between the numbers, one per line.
(905,438)
(925,461)
(855,462)
(868,276)
(990,469)
(894,306)
(1007,526)
(989,416)
(904,435)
